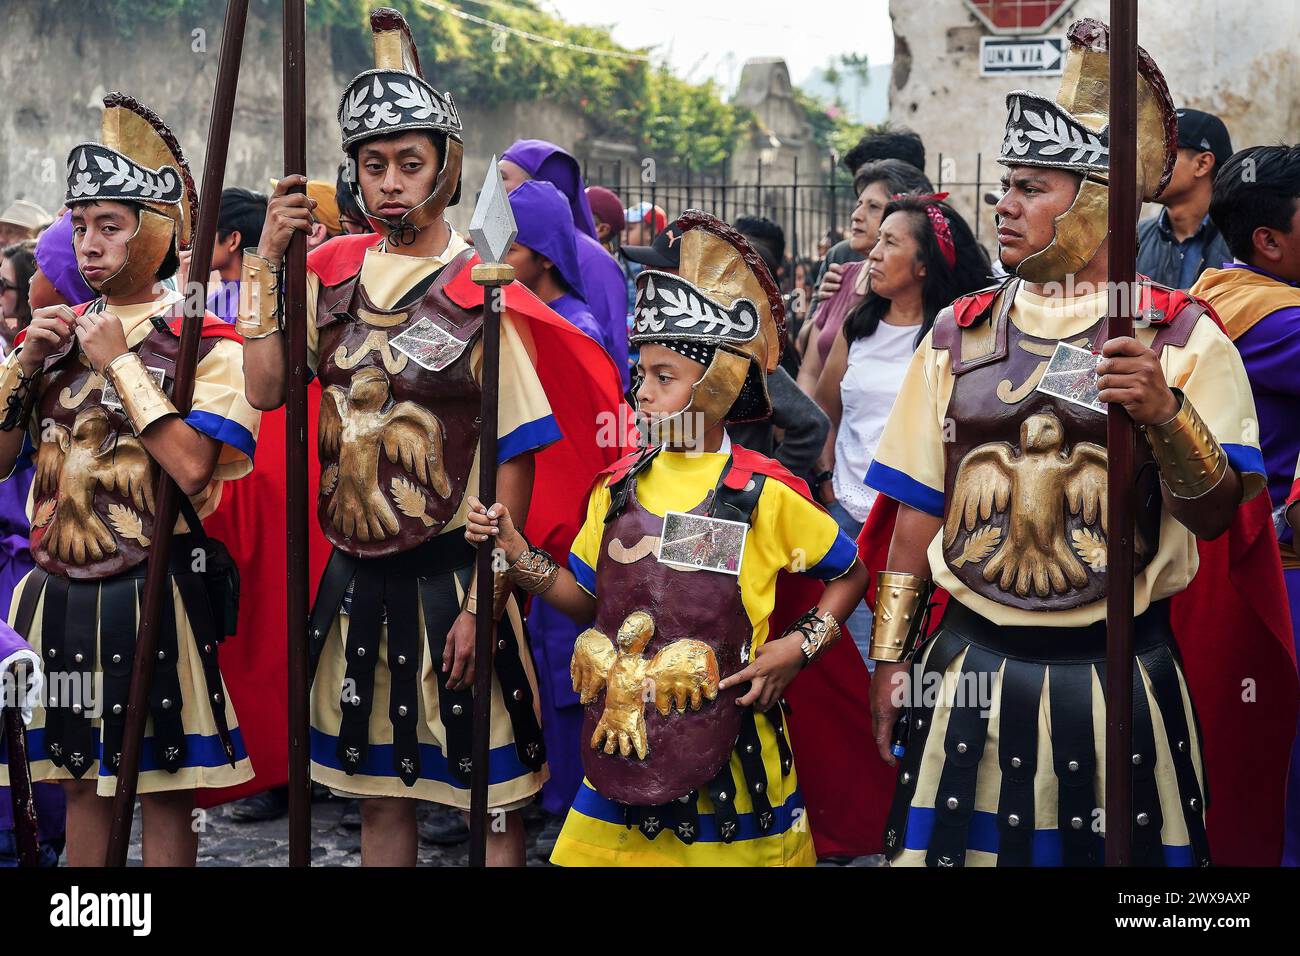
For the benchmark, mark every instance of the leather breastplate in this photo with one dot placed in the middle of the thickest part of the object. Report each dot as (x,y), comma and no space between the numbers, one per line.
(685,748)
(397,440)
(93,493)
(1025,473)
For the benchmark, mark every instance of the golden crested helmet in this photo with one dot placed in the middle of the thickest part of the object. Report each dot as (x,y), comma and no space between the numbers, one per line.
(392,99)
(1073,132)
(722,309)
(139,161)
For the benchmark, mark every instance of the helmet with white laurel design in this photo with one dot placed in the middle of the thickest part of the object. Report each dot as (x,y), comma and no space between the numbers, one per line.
(1072,132)
(392,99)
(722,309)
(137,161)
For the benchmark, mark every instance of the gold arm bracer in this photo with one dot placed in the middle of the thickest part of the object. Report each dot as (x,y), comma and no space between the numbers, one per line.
(259,295)
(500,594)
(143,401)
(902,607)
(1190,460)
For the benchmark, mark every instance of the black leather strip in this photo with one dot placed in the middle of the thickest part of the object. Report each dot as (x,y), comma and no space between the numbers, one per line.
(79,661)
(455,707)
(518,695)
(963,747)
(362,650)
(207,639)
(736,504)
(1168,694)
(946,645)
(165,700)
(1147,818)
(1074,760)
(329,596)
(54,616)
(776,717)
(686,817)
(401,599)
(722,792)
(117,631)
(1022,690)
(26,613)
(750,750)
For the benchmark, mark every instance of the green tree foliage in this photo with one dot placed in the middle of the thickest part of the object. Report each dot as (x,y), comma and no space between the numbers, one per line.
(672,119)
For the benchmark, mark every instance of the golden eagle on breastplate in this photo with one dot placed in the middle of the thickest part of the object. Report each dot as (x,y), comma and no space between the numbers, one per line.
(1037,483)
(74,465)
(355,426)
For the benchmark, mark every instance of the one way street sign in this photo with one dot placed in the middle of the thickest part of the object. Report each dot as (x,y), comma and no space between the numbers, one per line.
(1044,56)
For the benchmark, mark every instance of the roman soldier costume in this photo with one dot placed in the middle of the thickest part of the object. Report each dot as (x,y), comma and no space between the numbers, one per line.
(682,552)
(92,499)
(395,343)
(994,431)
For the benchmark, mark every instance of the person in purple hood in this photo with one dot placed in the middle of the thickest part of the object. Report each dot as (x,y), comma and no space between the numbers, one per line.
(606,288)
(545,255)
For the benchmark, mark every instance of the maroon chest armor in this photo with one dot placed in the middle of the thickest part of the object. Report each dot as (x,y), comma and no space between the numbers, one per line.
(93,492)
(685,749)
(403,437)
(1024,473)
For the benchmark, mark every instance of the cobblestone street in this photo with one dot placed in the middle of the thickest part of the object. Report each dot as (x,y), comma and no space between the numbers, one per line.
(227,843)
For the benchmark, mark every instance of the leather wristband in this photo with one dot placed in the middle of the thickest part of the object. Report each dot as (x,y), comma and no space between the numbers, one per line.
(534,571)
(259,306)
(902,609)
(819,629)
(17,394)
(143,402)
(1190,460)
(500,595)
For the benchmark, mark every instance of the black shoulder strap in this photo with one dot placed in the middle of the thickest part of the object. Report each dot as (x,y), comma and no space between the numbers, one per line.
(736,504)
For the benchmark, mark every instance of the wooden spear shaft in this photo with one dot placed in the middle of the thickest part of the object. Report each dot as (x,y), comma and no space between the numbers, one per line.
(157,577)
(295,450)
(1120,437)
(485,624)
(20,778)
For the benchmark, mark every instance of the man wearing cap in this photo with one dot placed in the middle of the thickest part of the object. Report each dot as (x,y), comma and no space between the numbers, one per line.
(607,214)
(605,283)
(663,254)
(642,223)
(1182,241)
(22,220)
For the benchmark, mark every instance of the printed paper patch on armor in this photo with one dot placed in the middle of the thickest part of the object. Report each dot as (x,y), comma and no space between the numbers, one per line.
(110,398)
(695,543)
(1072,375)
(428,345)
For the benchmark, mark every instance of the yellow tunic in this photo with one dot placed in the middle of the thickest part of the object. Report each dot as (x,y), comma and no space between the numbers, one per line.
(788,532)
(525,424)
(221,411)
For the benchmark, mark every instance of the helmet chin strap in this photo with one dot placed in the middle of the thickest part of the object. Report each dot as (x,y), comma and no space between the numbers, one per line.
(405,229)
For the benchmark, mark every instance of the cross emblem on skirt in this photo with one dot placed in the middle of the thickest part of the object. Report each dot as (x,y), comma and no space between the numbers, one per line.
(352,754)
(466,764)
(408,765)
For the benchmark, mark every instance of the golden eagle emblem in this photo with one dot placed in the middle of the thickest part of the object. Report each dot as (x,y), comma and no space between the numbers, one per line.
(1037,483)
(355,426)
(74,464)
(683,673)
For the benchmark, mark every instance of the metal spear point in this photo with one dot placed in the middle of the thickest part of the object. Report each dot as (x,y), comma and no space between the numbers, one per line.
(493,229)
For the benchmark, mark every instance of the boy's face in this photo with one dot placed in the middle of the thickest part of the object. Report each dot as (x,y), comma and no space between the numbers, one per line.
(529,266)
(100,233)
(397,173)
(666,382)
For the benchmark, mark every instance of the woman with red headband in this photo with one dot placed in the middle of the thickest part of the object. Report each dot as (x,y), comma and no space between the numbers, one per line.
(924,257)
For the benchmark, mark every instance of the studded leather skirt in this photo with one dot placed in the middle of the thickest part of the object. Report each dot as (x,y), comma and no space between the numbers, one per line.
(85,633)
(1005,756)
(383,721)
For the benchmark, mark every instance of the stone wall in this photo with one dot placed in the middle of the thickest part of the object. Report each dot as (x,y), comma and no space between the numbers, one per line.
(54,72)
(1236,60)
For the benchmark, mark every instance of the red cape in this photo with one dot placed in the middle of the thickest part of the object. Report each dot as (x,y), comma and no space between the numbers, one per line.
(250,519)
(1233,627)
(846,788)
